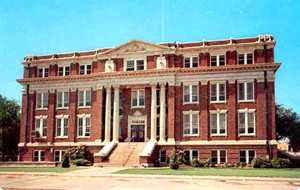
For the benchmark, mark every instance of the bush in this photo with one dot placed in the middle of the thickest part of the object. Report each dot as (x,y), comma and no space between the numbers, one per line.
(82,162)
(281,163)
(261,163)
(174,166)
(195,163)
(174,161)
(66,161)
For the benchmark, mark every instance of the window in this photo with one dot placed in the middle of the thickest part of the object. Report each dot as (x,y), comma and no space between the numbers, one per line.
(191,155)
(162,156)
(217,60)
(138,98)
(135,65)
(246,91)
(246,122)
(42,100)
(218,156)
(38,155)
(62,126)
(41,126)
(58,155)
(218,92)
(84,126)
(85,69)
(190,94)
(64,71)
(190,62)
(62,100)
(218,122)
(43,72)
(245,58)
(247,156)
(190,123)
(84,98)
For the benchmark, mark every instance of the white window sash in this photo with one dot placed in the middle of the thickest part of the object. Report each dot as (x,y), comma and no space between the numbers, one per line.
(190,114)
(84,126)
(219,123)
(246,122)
(138,94)
(245,83)
(218,92)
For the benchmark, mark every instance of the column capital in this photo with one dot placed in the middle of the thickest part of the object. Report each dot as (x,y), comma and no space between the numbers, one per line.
(162,84)
(231,81)
(116,86)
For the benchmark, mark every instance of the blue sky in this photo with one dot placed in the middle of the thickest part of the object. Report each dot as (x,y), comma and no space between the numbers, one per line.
(41,27)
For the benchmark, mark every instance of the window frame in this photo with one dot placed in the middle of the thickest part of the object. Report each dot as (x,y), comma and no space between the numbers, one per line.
(247,155)
(62,99)
(190,114)
(84,126)
(43,72)
(41,125)
(62,126)
(85,70)
(218,60)
(64,70)
(246,91)
(219,155)
(135,60)
(246,112)
(191,61)
(43,95)
(60,156)
(190,86)
(84,98)
(39,156)
(218,112)
(245,58)
(218,92)
(160,154)
(138,92)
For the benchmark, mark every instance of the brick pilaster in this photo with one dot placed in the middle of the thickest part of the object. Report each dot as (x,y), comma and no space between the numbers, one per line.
(51,117)
(232,111)
(31,126)
(261,111)
(97,110)
(171,112)
(271,110)
(204,100)
(72,115)
(23,122)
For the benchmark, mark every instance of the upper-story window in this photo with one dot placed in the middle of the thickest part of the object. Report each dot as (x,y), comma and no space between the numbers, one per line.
(43,72)
(84,98)
(245,58)
(246,122)
(85,69)
(41,124)
(84,126)
(218,122)
(42,100)
(138,98)
(190,123)
(246,91)
(218,92)
(135,65)
(190,94)
(64,71)
(62,126)
(190,62)
(217,60)
(62,99)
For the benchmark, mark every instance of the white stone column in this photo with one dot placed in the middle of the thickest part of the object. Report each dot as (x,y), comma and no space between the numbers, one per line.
(162,114)
(116,116)
(107,114)
(153,113)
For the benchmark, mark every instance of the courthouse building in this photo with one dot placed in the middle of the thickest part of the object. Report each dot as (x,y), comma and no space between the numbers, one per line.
(138,102)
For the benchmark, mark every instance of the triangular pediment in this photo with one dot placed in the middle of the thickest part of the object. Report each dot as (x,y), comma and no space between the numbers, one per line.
(136,46)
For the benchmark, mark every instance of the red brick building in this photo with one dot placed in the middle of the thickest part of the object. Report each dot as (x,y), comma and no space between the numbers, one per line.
(212,99)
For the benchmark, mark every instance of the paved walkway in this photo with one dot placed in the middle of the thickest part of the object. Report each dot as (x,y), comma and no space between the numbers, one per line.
(102,178)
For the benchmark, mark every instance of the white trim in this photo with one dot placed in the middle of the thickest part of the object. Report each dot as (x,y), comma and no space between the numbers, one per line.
(62,126)
(135,59)
(190,57)
(218,59)
(219,155)
(247,154)
(244,82)
(190,86)
(64,70)
(245,53)
(84,98)
(246,111)
(39,155)
(60,157)
(41,126)
(85,68)
(43,94)
(43,72)
(84,125)
(138,91)
(218,122)
(217,83)
(190,113)
(62,99)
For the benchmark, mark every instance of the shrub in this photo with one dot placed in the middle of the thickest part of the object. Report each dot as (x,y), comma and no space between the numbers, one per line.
(261,163)
(174,166)
(280,163)
(66,161)
(82,162)
(195,163)
(174,161)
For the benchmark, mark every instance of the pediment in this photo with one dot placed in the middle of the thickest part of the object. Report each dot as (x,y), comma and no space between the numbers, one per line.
(136,46)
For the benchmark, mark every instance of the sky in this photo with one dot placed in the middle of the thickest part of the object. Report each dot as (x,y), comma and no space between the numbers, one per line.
(44,27)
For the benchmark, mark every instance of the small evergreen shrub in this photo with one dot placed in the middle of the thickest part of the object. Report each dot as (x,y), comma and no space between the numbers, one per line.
(195,163)
(66,161)
(82,162)
(281,163)
(174,161)
(174,166)
(261,163)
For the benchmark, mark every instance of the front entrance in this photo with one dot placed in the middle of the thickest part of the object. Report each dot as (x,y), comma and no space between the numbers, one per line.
(137,133)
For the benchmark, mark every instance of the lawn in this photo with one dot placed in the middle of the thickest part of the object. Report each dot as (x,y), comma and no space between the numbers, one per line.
(250,172)
(38,169)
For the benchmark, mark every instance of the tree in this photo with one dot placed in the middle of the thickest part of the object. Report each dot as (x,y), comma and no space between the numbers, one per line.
(288,125)
(9,129)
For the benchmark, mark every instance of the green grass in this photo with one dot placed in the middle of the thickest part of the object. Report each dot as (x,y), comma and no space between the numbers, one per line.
(250,172)
(38,169)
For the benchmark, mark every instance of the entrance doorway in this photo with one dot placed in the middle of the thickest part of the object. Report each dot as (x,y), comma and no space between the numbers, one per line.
(137,133)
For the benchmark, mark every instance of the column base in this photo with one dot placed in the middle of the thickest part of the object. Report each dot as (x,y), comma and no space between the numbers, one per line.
(171,141)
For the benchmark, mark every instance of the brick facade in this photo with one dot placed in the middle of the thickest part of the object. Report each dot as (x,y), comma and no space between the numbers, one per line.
(175,76)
